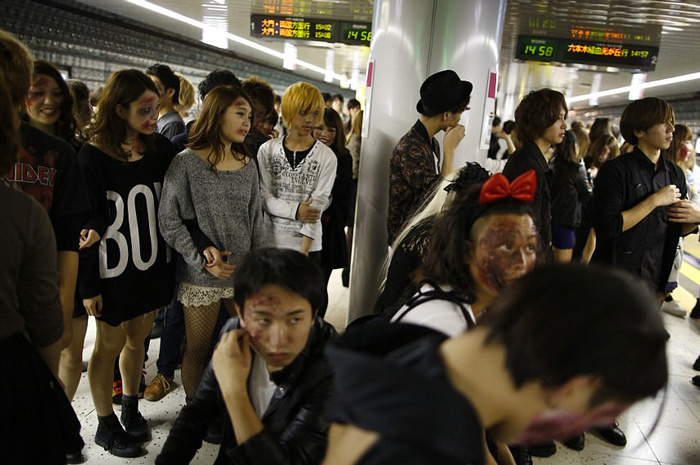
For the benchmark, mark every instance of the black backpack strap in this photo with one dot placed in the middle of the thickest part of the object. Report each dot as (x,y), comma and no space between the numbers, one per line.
(438,294)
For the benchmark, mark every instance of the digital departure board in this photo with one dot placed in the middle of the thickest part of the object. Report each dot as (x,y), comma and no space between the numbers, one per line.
(293,28)
(283,27)
(546,38)
(356,33)
(563,50)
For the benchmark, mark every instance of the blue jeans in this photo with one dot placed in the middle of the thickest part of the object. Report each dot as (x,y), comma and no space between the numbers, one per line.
(171,338)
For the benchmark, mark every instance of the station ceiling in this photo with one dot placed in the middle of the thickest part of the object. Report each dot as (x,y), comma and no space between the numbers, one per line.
(679,50)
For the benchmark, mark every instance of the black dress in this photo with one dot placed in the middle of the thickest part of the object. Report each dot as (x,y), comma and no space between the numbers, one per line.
(134,270)
(334,253)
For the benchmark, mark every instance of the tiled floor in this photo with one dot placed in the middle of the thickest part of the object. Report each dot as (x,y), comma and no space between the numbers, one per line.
(675,440)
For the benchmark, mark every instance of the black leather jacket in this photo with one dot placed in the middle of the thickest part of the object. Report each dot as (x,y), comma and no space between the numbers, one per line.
(295,431)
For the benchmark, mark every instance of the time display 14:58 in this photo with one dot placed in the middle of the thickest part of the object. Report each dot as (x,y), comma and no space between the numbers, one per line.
(363,36)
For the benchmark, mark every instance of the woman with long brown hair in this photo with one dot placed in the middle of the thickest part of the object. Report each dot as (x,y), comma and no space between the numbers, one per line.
(334,218)
(124,165)
(602,149)
(214,184)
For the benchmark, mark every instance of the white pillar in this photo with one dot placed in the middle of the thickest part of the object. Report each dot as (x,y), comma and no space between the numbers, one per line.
(412,39)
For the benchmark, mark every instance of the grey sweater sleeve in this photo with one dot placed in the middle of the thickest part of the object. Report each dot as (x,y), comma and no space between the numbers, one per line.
(175,208)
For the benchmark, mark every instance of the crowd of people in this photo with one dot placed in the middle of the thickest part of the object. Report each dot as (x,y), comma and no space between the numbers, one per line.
(216,226)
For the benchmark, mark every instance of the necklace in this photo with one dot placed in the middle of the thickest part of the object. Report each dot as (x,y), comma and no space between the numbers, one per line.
(295,158)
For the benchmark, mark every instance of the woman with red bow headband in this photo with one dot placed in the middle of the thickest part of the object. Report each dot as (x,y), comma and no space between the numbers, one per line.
(482,242)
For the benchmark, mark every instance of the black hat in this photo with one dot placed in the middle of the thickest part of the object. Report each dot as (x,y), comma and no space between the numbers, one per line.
(441,92)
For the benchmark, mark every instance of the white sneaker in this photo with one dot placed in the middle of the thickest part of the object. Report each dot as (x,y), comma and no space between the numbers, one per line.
(672,307)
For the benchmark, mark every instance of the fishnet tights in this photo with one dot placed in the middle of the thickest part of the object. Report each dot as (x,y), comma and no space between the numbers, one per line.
(199,330)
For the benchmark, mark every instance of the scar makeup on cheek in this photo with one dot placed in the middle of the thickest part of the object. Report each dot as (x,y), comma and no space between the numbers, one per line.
(563,425)
(33,98)
(255,336)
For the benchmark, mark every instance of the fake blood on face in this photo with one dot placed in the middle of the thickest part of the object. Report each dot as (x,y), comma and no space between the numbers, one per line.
(505,250)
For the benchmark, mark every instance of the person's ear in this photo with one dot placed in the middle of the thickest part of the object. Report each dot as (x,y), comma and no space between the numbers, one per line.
(575,394)
(239,313)
(121,111)
(639,133)
(170,92)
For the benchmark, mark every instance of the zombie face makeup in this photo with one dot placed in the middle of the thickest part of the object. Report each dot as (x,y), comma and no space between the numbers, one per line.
(236,122)
(278,321)
(142,114)
(559,425)
(504,248)
(43,103)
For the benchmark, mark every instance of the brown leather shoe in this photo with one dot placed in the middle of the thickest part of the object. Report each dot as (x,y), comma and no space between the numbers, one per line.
(158,388)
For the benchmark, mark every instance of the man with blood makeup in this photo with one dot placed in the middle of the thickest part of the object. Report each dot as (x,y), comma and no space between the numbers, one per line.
(546,361)
(268,370)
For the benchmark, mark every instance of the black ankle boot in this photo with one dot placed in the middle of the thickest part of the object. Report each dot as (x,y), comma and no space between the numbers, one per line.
(133,421)
(695,312)
(114,439)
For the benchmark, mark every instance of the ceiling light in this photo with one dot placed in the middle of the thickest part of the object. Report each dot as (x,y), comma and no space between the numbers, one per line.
(636,89)
(233,37)
(646,85)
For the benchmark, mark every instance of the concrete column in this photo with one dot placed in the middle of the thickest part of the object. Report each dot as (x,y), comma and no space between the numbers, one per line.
(412,39)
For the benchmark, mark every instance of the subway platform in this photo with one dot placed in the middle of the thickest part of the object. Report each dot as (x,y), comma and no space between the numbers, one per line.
(675,440)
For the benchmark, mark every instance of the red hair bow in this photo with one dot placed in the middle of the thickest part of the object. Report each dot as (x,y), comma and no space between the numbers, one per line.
(497,187)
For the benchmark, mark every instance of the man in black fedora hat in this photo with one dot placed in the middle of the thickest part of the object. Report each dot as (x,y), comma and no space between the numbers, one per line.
(416,165)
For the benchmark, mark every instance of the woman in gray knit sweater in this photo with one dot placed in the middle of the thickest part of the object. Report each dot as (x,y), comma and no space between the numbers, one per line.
(214,186)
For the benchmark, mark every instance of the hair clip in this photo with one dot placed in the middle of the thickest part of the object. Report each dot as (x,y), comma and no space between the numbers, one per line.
(472,173)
